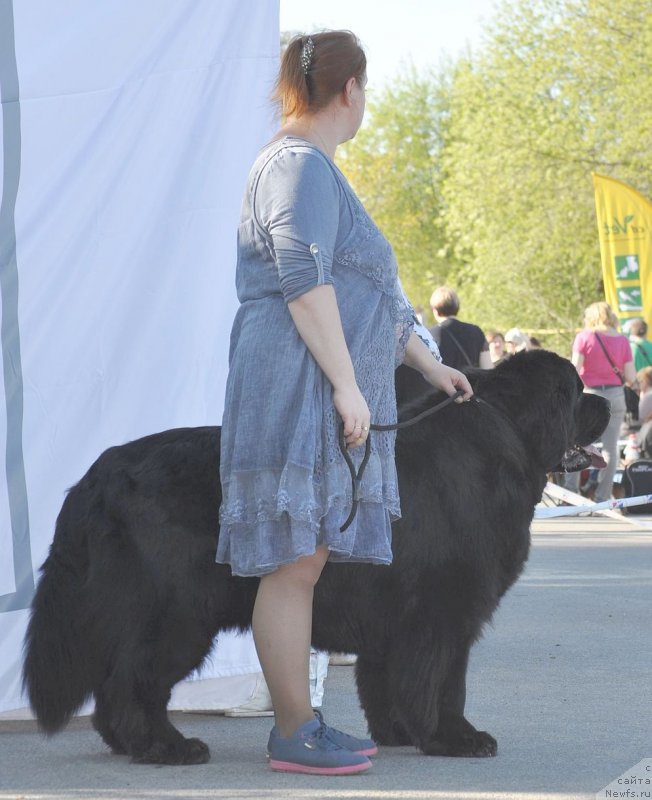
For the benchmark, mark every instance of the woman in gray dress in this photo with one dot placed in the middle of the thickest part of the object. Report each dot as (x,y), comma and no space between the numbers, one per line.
(321,327)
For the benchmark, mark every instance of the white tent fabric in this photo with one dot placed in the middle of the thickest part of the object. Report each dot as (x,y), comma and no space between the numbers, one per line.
(128,130)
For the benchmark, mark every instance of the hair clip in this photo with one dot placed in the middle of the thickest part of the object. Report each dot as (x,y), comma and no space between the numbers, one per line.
(306,54)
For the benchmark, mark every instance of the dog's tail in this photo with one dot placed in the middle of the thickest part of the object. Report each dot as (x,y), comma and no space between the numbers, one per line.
(56,667)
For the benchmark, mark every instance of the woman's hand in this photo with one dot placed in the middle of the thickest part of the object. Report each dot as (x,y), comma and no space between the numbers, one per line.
(449,380)
(352,407)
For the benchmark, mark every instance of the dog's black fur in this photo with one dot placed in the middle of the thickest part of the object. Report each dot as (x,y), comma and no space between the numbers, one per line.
(130,597)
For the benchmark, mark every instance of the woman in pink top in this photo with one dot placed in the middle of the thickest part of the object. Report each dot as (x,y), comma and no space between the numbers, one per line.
(603,358)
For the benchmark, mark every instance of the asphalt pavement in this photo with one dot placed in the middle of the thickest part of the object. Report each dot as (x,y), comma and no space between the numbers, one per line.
(562,679)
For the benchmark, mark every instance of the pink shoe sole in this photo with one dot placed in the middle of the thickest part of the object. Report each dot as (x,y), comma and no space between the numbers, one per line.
(371,751)
(288,766)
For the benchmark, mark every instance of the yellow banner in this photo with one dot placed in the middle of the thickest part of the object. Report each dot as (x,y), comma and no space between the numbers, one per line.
(625,231)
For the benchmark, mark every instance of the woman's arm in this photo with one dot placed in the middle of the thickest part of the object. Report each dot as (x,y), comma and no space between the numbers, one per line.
(578,360)
(629,371)
(485,360)
(317,318)
(419,357)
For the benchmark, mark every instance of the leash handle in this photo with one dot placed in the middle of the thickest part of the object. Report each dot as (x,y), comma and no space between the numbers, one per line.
(406,424)
(356,477)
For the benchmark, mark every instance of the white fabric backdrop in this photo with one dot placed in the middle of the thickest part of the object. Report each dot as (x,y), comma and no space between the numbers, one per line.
(124,165)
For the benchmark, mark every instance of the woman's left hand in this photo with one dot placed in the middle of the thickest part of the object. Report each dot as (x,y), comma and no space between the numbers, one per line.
(449,380)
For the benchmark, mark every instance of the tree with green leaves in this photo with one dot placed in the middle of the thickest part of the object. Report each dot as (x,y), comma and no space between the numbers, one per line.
(394,165)
(561,89)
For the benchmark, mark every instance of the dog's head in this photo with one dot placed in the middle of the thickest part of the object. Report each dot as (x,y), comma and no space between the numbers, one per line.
(542,394)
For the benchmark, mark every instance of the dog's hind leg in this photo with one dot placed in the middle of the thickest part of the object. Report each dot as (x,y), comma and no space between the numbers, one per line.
(132,719)
(104,726)
(165,744)
(131,703)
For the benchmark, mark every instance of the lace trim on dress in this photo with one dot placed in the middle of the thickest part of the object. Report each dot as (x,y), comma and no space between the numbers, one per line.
(263,495)
(268,544)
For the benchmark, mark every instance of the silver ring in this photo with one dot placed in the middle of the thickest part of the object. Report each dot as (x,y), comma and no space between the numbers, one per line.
(365,428)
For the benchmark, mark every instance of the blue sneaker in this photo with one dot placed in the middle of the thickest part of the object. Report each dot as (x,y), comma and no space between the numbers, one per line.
(311,750)
(361,747)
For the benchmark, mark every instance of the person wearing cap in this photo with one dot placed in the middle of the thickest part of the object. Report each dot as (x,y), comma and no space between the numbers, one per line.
(516,340)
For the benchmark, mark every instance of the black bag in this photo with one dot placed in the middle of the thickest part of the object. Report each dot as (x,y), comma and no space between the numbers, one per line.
(637,480)
(631,401)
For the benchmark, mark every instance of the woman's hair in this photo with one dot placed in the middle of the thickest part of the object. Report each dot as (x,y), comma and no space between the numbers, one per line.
(600,315)
(315,69)
(445,302)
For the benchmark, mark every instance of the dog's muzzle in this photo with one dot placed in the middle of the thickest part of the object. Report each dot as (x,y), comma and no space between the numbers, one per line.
(577,458)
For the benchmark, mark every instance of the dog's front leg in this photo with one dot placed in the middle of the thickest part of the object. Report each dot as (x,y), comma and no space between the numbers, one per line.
(375,699)
(416,665)
(455,736)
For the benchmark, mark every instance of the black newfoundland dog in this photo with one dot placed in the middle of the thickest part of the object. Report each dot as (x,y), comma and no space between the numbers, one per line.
(130,597)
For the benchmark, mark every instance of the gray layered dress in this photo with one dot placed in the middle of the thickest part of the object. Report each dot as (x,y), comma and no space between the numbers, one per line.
(285,485)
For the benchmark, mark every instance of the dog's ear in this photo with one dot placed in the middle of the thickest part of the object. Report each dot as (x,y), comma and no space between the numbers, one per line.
(593,418)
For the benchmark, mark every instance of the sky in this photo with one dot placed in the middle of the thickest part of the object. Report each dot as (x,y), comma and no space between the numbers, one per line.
(395,32)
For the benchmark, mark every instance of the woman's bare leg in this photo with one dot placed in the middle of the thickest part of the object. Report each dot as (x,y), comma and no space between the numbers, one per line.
(282,628)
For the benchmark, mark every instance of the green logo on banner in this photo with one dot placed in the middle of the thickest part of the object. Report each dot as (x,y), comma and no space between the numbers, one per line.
(627,268)
(623,227)
(630,298)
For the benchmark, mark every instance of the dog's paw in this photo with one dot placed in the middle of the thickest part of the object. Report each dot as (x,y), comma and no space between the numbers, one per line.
(186,751)
(469,744)
(197,752)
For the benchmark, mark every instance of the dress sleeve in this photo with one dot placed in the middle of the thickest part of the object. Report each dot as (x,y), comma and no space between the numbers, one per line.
(297,203)
(404,325)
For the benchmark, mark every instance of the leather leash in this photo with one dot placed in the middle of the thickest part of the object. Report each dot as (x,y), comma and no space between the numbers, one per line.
(356,477)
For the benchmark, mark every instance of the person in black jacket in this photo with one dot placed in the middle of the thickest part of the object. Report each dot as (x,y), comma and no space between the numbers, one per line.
(461,344)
